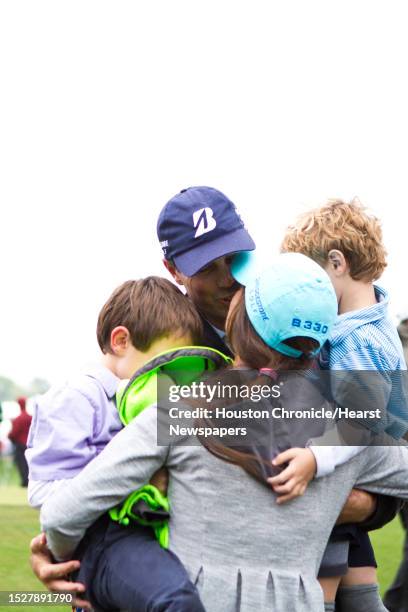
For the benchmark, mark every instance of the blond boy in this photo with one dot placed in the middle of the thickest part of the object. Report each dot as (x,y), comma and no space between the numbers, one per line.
(346,240)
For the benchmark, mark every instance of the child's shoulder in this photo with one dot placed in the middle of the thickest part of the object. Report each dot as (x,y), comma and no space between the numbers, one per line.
(367,338)
(371,345)
(88,384)
(94,380)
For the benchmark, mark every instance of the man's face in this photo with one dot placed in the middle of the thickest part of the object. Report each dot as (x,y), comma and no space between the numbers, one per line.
(211,289)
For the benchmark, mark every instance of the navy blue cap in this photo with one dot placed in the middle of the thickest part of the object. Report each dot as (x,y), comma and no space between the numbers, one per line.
(198,225)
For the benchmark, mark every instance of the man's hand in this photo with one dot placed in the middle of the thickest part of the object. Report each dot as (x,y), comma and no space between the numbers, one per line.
(54,575)
(293,480)
(359,506)
(160,480)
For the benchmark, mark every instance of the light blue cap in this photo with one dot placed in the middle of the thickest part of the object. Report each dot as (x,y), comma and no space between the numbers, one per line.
(290,296)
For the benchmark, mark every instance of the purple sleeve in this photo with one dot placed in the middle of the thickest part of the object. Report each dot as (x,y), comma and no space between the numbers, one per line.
(60,443)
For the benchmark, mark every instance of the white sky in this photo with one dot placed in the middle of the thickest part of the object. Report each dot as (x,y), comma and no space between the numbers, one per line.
(107,109)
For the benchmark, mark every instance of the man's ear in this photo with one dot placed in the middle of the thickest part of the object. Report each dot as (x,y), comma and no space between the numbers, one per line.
(170,267)
(337,262)
(119,340)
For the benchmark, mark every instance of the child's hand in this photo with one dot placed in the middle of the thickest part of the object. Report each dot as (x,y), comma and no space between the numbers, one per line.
(293,480)
(160,480)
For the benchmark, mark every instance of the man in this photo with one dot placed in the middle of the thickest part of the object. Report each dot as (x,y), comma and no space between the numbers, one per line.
(199,229)
(18,435)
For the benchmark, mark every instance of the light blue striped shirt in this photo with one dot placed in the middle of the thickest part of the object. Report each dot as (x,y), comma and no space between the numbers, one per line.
(367,339)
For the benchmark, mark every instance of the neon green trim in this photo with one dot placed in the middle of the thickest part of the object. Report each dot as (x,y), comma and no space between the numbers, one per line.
(123,514)
(195,347)
(141,393)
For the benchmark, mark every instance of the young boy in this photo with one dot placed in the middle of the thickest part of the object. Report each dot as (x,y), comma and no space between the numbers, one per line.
(122,567)
(347,242)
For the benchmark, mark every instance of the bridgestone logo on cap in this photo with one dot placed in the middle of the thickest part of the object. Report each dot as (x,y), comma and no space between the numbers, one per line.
(204,221)
(259,302)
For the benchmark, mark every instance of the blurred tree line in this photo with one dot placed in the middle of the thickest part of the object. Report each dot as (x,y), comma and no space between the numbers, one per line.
(9,390)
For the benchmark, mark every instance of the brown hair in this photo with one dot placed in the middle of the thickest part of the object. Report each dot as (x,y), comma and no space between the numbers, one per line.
(345,226)
(250,347)
(246,343)
(150,309)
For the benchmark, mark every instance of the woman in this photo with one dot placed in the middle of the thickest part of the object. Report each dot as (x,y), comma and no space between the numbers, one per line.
(243,550)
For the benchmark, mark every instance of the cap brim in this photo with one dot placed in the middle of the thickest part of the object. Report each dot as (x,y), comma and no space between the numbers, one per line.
(194,260)
(245,266)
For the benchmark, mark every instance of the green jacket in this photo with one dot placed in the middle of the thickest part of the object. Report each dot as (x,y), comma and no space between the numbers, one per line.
(147,505)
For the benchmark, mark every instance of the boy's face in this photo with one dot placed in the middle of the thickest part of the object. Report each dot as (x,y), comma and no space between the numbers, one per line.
(211,289)
(130,359)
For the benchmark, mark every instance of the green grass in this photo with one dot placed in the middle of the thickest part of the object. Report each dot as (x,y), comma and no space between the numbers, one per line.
(8,472)
(388,543)
(20,524)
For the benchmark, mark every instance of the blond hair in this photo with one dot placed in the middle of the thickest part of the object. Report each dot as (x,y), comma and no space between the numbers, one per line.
(346,227)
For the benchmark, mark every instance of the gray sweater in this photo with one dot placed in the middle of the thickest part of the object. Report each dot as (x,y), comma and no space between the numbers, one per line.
(244,551)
